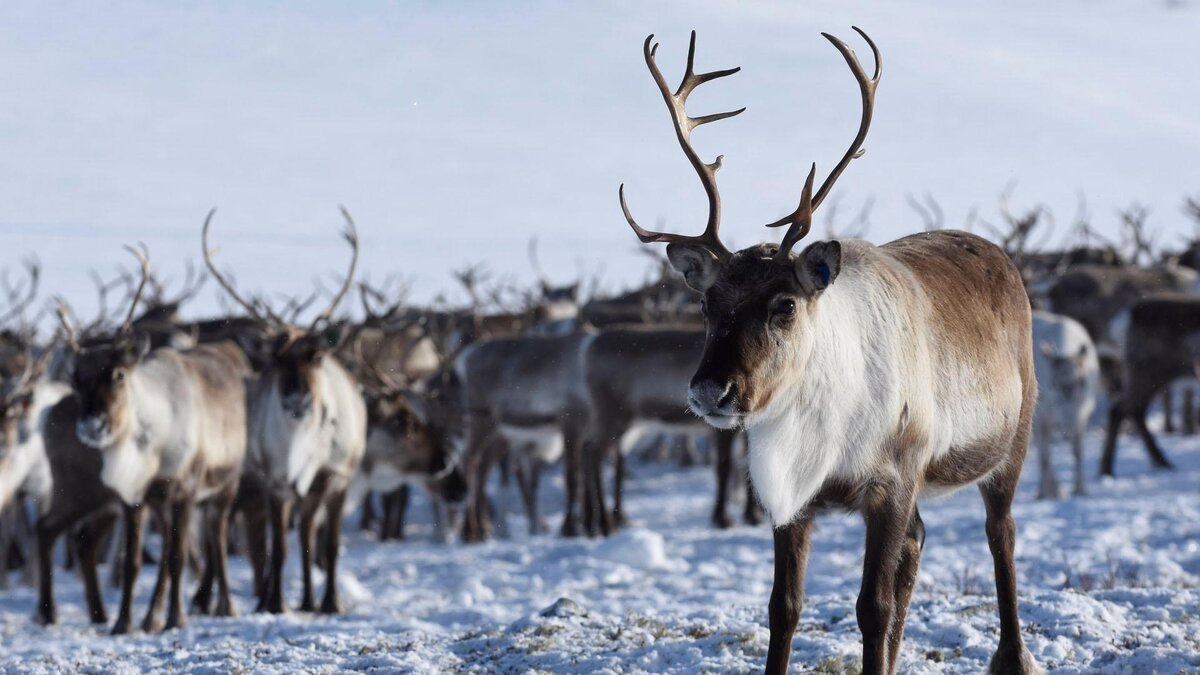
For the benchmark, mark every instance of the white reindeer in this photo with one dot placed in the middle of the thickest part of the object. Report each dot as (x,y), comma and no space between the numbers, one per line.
(1068,374)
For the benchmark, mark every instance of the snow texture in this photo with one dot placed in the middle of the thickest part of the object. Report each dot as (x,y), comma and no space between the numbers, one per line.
(1110,583)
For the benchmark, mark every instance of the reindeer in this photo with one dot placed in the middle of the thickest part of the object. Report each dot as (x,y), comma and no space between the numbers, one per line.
(524,395)
(1162,344)
(171,430)
(1068,374)
(864,377)
(307,426)
(637,381)
(41,459)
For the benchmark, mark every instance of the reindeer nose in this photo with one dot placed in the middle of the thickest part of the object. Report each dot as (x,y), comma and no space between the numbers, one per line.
(712,396)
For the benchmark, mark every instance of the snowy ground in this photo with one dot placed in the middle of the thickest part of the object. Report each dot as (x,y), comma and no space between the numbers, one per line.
(1109,583)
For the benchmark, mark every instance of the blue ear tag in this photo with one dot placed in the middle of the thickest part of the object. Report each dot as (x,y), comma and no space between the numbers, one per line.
(823,271)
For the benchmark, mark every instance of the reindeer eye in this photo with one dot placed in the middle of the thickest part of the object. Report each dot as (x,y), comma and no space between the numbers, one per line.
(785,307)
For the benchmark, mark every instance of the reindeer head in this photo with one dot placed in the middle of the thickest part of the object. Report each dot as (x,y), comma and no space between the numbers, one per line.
(1068,372)
(16,396)
(758,302)
(102,373)
(288,357)
(399,428)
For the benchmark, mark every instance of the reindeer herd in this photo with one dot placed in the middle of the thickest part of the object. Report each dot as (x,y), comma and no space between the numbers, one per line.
(847,375)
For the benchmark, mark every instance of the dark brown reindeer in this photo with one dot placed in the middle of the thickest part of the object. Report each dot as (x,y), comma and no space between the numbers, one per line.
(1161,345)
(637,378)
(171,430)
(864,377)
(307,427)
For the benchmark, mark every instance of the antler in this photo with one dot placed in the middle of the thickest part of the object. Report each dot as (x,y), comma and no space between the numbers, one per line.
(351,236)
(683,131)
(251,307)
(1134,221)
(69,333)
(799,222)
(20,296)
(143,257)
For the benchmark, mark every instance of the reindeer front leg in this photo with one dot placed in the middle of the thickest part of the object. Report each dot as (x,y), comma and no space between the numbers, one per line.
(787,593)
(135,519)
(181,513)
(887,512)
(906,579)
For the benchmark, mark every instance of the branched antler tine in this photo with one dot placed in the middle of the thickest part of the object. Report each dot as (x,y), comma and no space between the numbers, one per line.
(867,87)
(351,236)
(694,122)
(801,221)
(683,127)
(224,283)
(64,321)
(143,258)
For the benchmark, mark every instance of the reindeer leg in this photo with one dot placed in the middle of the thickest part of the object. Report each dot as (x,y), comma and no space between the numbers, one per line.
(1011,656)
(90,536)
(787,593)
(572,449)
(1157,458)
(1168,407)
(723,466)
(401,506)
(307,533)
(1047,482)
(906,579)
(334,503)
(202,600)
(1116,415)
(888,513)
(47,533)
(219,554)
(181,514)
(367,522)
(272,599)
(619,519)
(135,519)
(153,623)
(1077,450)
(254,524)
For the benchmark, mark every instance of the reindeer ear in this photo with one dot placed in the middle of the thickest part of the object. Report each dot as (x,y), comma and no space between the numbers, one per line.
(819,265)
(697,264)
(135,349)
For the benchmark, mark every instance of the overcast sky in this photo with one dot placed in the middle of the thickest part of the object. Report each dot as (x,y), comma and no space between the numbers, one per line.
(455,131)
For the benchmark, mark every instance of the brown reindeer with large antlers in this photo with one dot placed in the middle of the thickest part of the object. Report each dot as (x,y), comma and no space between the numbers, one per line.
(307,431)
(171,430)
(864,376)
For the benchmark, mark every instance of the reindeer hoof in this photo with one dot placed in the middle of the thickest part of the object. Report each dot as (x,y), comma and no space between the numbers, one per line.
(1013,662)
(329,606)
(152,625)
(122,627)
(722,521)
(46,617)
(569,529)
(99,617)
(308,605)
(227,610)
(178,620)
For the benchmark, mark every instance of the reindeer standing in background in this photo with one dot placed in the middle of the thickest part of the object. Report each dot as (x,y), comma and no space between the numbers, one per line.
(1068,374)
(864,377)
(307,426)
(171,430)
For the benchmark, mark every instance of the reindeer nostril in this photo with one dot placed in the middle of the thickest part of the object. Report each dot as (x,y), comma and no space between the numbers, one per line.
(729,397)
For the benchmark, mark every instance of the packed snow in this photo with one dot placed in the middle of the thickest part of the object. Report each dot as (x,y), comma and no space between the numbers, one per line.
(1110,583)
